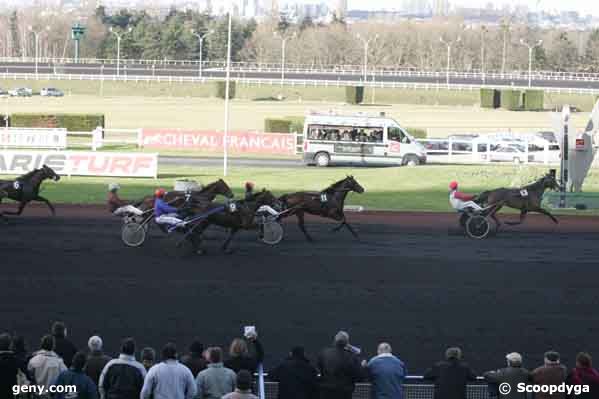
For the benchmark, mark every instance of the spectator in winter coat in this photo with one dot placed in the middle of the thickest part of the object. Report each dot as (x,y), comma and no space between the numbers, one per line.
(450,376)
(217,380)
(62,346)
(23,356)
(243,388)
(85,387)
(46,365)
(297,378)
(339,369)
(123,378)
(148,357)
(169,379)
(386,373)
(8,367)
(551,373)
(585,374)
(240,357)
(96,359)
(513,375)
(194,360)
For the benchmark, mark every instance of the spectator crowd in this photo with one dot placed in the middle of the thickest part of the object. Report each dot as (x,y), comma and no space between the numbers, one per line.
(206,373)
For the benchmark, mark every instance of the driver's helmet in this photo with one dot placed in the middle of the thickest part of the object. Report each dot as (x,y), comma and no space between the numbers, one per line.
(249,186)
(159,193)
(453,185)
(114,187)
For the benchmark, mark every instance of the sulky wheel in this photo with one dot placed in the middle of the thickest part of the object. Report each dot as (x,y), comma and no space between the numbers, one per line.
(272,233)
(478,227)
(133,234)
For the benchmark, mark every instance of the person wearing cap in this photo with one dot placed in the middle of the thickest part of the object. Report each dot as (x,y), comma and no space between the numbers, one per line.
(552,372)
(513,375)
(386,373)
(163,212)
(461,201)
(297,378)
(339,369)
(96,359)
(451,375)
(119,206)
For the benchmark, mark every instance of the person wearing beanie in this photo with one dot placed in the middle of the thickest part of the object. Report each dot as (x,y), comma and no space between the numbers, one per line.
(243,386)
(451,375)
(513,374)
(62,345)
(297,378)
(96,359)
(85,387)
(585,374)
(339,369)
(552,372)
(194,359)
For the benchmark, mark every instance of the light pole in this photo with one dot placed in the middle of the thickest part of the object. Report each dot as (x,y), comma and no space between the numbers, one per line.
(366,43)
(283,48)
(118,47)
(483,30)
(37,36)
(227,82)
(201,39)
(506,28)
(530,48)
(449,44)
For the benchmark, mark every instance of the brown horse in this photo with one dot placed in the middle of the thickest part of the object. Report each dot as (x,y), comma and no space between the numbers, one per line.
(525,199)
(26,188)
(327,203)
(198,200)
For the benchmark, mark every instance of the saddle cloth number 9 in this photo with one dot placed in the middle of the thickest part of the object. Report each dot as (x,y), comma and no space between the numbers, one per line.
(232,207)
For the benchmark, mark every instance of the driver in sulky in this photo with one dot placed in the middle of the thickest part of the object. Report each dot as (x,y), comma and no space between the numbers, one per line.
(461,201)
(119,206)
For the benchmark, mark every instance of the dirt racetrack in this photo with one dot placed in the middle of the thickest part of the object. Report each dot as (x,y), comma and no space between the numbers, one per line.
(416,285)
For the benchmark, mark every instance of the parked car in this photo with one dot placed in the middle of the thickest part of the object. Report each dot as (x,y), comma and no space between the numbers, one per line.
(464,141)
(510,154)
(51,92)
(3,93)
(21,92)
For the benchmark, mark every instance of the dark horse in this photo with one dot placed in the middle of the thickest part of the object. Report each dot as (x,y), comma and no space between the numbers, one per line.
(26,188)
(526,199)
(327,203)
(199,199)
(241,218)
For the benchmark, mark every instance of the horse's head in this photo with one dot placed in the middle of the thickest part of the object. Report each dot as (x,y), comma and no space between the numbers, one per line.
(265,197)
(49,173)
(352,185)
(550,182)
(223,188)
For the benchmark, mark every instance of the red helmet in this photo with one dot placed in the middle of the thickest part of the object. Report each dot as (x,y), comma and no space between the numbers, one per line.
(249,186)
(159,193)
(453,185)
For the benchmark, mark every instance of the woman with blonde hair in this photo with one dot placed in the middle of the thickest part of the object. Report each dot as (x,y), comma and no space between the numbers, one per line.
(245,354)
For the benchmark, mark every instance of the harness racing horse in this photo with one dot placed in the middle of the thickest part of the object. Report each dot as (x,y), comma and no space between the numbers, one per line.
(199,199)
(526,199)
(239,216)
(328,203)
(26,188)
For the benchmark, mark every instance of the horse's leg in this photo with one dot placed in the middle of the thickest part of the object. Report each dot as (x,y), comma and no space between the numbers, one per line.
(225,247)
(351,229)
(548,214)
(302,225)
(44,200)
(523,213)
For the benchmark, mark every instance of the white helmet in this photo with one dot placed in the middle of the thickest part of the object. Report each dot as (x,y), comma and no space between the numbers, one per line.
(113,186)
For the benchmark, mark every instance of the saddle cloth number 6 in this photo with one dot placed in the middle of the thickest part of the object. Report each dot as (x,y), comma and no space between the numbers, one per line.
(524,193)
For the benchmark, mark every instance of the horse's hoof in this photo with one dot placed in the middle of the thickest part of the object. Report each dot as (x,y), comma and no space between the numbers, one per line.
(201,252)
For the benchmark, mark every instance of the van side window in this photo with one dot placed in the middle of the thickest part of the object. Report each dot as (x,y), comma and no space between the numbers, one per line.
(395,134)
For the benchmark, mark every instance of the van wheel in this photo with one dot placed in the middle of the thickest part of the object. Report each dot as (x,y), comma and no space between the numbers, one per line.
(322,159)
(412,160)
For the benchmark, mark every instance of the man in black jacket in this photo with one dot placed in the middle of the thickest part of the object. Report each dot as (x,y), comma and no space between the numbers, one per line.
(96,359)
(123,378)
(297,378)
(194,360)
(339,369)
(513,375)
(62,346)
(451,375)
(8,367)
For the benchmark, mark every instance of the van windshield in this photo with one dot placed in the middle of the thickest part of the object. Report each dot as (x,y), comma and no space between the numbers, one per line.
(396,134)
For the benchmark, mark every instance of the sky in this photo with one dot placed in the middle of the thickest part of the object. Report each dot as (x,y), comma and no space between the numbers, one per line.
(582,6)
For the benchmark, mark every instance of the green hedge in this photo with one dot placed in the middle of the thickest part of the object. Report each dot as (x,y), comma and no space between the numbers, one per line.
(221,87)
(71,122)
(354,94)
(416,132)
(490,98)
(534,100)
(511,100)
(272,125)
